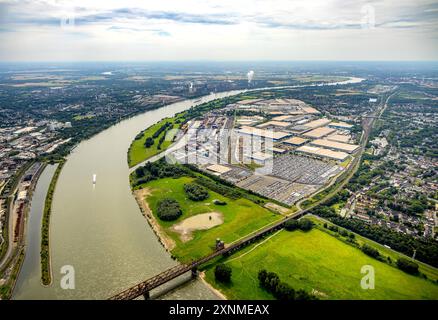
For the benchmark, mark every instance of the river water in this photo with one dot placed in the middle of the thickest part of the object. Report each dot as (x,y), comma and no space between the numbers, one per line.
(98,229)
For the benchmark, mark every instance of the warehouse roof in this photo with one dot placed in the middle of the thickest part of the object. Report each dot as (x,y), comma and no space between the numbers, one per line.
(335,145)
(296,141)
(319,132)
(218,168)
(337,155)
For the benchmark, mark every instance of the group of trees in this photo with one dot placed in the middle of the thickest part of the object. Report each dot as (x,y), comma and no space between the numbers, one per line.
(224,187)
(229,192)
(161,129)
(427,250)
(270,281)
(407,266)
(302,224)
(414,206)
(349,235)
(195,192)
(157,170)
(168,209)
(149,142)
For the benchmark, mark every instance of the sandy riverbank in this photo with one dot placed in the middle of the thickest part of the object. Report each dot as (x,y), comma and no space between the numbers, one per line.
(216,291)
(140,196)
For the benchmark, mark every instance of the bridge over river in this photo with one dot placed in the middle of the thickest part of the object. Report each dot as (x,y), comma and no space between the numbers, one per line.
(143,288)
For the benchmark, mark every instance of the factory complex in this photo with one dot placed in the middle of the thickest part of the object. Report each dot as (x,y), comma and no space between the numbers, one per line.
(282,149)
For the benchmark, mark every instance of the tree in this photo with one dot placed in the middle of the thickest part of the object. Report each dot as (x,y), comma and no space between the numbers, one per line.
(139,172)
(222,273)
(168,209)
(407,266)
(306,224)
(149,142)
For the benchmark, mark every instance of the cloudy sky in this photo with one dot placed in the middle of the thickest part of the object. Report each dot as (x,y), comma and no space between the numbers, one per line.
(57,30)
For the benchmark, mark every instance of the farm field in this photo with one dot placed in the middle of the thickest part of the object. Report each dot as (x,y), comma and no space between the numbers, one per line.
(320,263)
(240,217)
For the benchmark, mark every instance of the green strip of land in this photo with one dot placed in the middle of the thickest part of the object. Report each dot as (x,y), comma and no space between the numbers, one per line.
(319,263)
(138,153)
(241,217)
(46,277)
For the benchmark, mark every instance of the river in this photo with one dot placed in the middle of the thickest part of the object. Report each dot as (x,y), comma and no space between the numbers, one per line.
(98,229)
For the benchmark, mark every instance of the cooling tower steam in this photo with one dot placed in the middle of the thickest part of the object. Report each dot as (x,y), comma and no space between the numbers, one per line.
(250,76)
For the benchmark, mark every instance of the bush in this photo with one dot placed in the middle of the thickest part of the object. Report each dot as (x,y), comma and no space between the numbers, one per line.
(407,266)
(372,252)
(195,192)
(222,273)
(168,209)
(281,290)
(219,202)
(291,225)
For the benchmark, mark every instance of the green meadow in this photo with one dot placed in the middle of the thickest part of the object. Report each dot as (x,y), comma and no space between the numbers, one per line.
(241,217)
(320,263)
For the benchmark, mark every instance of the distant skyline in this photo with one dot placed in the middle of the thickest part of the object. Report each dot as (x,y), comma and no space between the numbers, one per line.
(237,30)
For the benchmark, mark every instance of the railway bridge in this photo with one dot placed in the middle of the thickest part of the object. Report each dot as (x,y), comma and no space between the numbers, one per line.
(144,288)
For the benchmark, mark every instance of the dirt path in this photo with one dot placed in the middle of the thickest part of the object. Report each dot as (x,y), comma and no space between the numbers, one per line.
(140,197)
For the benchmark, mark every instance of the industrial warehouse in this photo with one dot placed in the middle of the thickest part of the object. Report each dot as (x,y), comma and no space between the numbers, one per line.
(282,149)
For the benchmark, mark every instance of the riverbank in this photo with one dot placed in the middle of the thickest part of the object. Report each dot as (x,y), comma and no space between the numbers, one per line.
(46,270)
(140,196)
(16,250)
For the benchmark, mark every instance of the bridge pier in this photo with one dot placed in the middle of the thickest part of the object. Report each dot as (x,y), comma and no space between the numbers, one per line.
(146,295)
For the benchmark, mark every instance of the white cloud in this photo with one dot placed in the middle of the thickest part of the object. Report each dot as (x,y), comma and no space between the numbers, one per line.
(220,30)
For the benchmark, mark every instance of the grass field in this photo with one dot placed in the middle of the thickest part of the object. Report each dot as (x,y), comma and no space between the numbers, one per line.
(138,153)
(429,271)
(319,263)
(241,217)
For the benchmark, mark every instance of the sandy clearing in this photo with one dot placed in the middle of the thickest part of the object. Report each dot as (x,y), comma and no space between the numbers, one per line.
(203,221)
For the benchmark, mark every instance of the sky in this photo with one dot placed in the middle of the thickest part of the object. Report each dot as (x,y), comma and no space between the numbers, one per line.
(237,30)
